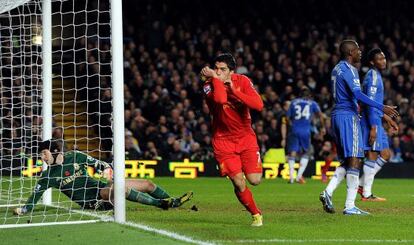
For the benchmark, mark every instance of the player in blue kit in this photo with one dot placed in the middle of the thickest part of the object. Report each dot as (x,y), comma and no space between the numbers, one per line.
(300,115)
(374,136)
(346,126)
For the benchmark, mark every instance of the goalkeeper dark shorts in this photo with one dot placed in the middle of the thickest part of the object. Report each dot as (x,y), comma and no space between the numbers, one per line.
(98,205)
(93,199)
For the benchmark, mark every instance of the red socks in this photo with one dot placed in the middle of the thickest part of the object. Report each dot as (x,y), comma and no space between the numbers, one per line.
(325,168)
(246,198)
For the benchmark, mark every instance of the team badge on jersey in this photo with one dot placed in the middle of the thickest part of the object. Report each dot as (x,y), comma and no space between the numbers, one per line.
(356,82)
(207,89)
(373,90)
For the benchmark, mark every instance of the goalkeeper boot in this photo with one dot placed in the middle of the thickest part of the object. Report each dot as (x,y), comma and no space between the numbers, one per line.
(166,203)
(326,202)
(373,198)
(257,220)
(177,202)
(355,211)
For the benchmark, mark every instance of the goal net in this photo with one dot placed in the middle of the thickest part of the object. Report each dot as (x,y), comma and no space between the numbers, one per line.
(56,82)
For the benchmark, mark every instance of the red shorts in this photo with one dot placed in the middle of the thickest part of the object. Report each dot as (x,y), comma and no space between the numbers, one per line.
(238,155)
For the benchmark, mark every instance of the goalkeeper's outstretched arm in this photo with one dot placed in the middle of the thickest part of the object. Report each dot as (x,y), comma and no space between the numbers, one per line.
(41,187)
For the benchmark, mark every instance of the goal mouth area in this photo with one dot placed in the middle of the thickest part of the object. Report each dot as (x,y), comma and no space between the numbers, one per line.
(50,215)
(59,212)
(57,59)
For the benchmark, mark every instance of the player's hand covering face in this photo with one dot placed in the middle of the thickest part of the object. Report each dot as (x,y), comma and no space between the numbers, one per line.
(208,72)
(223,72)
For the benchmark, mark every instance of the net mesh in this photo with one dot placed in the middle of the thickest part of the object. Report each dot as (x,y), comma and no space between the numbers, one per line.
(82,109)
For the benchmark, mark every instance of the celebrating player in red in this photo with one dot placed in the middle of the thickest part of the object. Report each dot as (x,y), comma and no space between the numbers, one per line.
(229,97)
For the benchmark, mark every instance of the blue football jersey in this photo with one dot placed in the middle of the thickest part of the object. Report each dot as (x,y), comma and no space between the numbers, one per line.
(373,87)
(344,81)
(300,114)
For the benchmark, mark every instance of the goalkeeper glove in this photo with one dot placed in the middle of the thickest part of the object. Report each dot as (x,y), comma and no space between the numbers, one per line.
(20,211)
(108,174)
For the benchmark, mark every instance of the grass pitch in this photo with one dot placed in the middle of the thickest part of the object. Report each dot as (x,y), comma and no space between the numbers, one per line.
(292,215)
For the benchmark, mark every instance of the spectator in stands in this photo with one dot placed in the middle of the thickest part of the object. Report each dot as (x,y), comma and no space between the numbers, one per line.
(407,145)
(196,153)
(132,150)
(396,153)
(151,152)
(176,153)
(202,132)
(187,141)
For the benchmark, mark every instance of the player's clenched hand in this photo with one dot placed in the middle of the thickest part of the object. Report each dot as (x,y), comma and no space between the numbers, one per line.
(208,72)
(229,84)
(372,135)
(19,211)
(394,127)
(283,143)
(390,111)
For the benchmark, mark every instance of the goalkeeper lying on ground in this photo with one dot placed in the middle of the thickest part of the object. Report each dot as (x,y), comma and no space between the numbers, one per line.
(68,173)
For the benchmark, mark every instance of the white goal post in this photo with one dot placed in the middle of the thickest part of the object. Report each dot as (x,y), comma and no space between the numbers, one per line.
(61,71)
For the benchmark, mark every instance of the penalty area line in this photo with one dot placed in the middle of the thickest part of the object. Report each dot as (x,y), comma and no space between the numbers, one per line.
(316,241)
(169,234)
(107,218)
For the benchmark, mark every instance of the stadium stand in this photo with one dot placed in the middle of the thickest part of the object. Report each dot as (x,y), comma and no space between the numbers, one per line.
(165,49)
(166,46)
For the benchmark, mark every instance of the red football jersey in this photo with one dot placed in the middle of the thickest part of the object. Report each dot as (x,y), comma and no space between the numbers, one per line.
(230,108)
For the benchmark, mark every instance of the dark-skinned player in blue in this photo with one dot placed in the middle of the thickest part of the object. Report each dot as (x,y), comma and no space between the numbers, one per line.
(346,89)
(374,135)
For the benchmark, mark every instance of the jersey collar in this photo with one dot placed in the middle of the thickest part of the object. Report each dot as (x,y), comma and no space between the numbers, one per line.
(348,64)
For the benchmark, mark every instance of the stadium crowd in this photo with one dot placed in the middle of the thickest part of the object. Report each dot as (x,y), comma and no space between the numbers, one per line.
(165,49)
(281,48)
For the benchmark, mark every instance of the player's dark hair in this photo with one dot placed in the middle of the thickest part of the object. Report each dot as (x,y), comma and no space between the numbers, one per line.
(305,92)
(345,47)
(372,53)
(50,145)
(228,59)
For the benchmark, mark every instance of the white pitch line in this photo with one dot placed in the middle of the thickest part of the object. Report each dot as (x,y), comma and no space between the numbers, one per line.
(102,217)
(169,234)
(315,241)
(106,218)
(49,224)
(166,233)
(188,239)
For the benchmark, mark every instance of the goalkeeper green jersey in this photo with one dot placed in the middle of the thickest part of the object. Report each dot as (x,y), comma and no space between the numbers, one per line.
(72,179)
